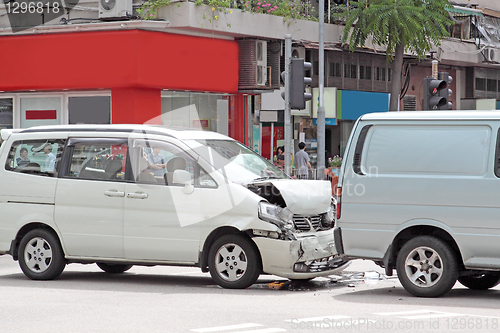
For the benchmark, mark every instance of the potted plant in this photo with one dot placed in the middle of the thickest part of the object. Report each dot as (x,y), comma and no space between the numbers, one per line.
(334,164)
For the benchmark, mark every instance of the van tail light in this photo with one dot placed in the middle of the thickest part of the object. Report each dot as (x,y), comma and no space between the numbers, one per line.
(339,201)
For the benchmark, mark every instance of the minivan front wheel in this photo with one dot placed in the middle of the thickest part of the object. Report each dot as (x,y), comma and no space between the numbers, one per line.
(40,255)
(427,267)
(234,262)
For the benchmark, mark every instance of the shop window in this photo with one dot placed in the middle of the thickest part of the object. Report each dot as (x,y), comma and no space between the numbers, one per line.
(354,71)
(491,85)
(6,112)
(368,72)
(480,83)
(89,110)
(40,111)
(38,157)
(347,70)
(335,69)
(203,111)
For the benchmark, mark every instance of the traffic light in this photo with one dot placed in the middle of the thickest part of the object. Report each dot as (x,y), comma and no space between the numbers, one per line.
(298,81)
(432,93)
(446,93)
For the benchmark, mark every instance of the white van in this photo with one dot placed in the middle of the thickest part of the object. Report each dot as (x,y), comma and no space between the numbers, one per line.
(123,195)
(420,192)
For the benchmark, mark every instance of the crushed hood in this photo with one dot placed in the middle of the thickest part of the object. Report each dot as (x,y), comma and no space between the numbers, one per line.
(305,196)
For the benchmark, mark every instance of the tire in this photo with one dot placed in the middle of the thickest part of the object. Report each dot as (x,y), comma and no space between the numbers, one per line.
(234,262)
(482,281)
(40,255)
(114,268)
(427,267)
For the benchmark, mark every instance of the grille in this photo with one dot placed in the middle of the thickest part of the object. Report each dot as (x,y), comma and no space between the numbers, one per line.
(301,223)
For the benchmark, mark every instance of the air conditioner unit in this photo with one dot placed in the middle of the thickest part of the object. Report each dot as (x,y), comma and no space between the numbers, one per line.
(299,52)
(253,72)
(114,8)
(261,62)
(494,55)
(410,103)
(490,54)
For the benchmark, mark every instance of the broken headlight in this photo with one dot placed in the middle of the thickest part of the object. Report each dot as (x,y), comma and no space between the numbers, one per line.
(282,217)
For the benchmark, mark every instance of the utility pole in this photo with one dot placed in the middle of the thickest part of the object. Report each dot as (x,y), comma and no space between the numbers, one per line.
(320,168)
(288,115)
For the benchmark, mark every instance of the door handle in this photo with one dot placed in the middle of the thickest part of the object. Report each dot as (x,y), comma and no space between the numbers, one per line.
(114,193)
(137,195)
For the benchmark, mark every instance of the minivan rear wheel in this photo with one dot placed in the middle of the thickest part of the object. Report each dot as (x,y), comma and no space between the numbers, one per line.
(40,255)
(427,267)
(114,268)
(482,281)
(234,262)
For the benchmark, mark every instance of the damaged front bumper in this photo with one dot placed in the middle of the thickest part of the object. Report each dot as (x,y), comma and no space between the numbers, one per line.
(310,255)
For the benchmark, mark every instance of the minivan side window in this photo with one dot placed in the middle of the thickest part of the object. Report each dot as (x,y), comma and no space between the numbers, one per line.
(37,157)
(97,159)
(155,162)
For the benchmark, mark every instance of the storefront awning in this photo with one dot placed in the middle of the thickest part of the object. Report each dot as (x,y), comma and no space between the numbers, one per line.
(464,11)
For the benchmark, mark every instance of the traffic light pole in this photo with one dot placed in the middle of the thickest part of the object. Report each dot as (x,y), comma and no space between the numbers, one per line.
(288,115)
(320,167)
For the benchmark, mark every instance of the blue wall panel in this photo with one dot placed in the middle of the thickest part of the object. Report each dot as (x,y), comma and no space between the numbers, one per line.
(357,103)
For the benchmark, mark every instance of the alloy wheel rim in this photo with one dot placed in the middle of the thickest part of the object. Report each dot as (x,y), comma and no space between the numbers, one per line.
(38,255)
(424,267)
(231,262)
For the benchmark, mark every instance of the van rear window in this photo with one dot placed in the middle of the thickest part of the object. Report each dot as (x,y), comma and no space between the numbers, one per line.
(37,157)
(461,150)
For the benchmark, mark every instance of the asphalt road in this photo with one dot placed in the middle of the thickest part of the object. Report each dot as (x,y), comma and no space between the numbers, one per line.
(180,299)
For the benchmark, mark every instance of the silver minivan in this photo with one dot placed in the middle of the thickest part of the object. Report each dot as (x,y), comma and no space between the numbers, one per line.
(123,195)
(419,192)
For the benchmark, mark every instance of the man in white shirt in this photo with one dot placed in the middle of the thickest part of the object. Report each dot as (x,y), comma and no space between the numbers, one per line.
(50,159)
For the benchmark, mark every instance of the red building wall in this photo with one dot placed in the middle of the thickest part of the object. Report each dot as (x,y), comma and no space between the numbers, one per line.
(136,65)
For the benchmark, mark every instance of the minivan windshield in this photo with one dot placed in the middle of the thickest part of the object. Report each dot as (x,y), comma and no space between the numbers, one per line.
(235,161)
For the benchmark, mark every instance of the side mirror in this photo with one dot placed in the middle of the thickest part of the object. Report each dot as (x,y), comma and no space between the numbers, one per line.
(183,177)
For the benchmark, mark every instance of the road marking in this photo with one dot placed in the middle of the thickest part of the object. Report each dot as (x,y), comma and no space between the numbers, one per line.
(225,328)
(421,314)
(304,320)
(264,330)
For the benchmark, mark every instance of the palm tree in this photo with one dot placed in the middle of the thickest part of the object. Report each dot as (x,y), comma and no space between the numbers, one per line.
(411,25)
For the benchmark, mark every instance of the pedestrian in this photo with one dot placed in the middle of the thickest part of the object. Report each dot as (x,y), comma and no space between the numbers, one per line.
(23,159)
(156,162)
(280,157)
(302,162)
(50,159)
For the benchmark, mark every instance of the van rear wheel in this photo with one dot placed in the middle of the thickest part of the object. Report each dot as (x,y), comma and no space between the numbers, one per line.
(234,262)
(40,255)
(482,281)
(427,267)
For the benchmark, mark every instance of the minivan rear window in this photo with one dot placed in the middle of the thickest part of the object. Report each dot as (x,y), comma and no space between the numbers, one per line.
(37,157)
